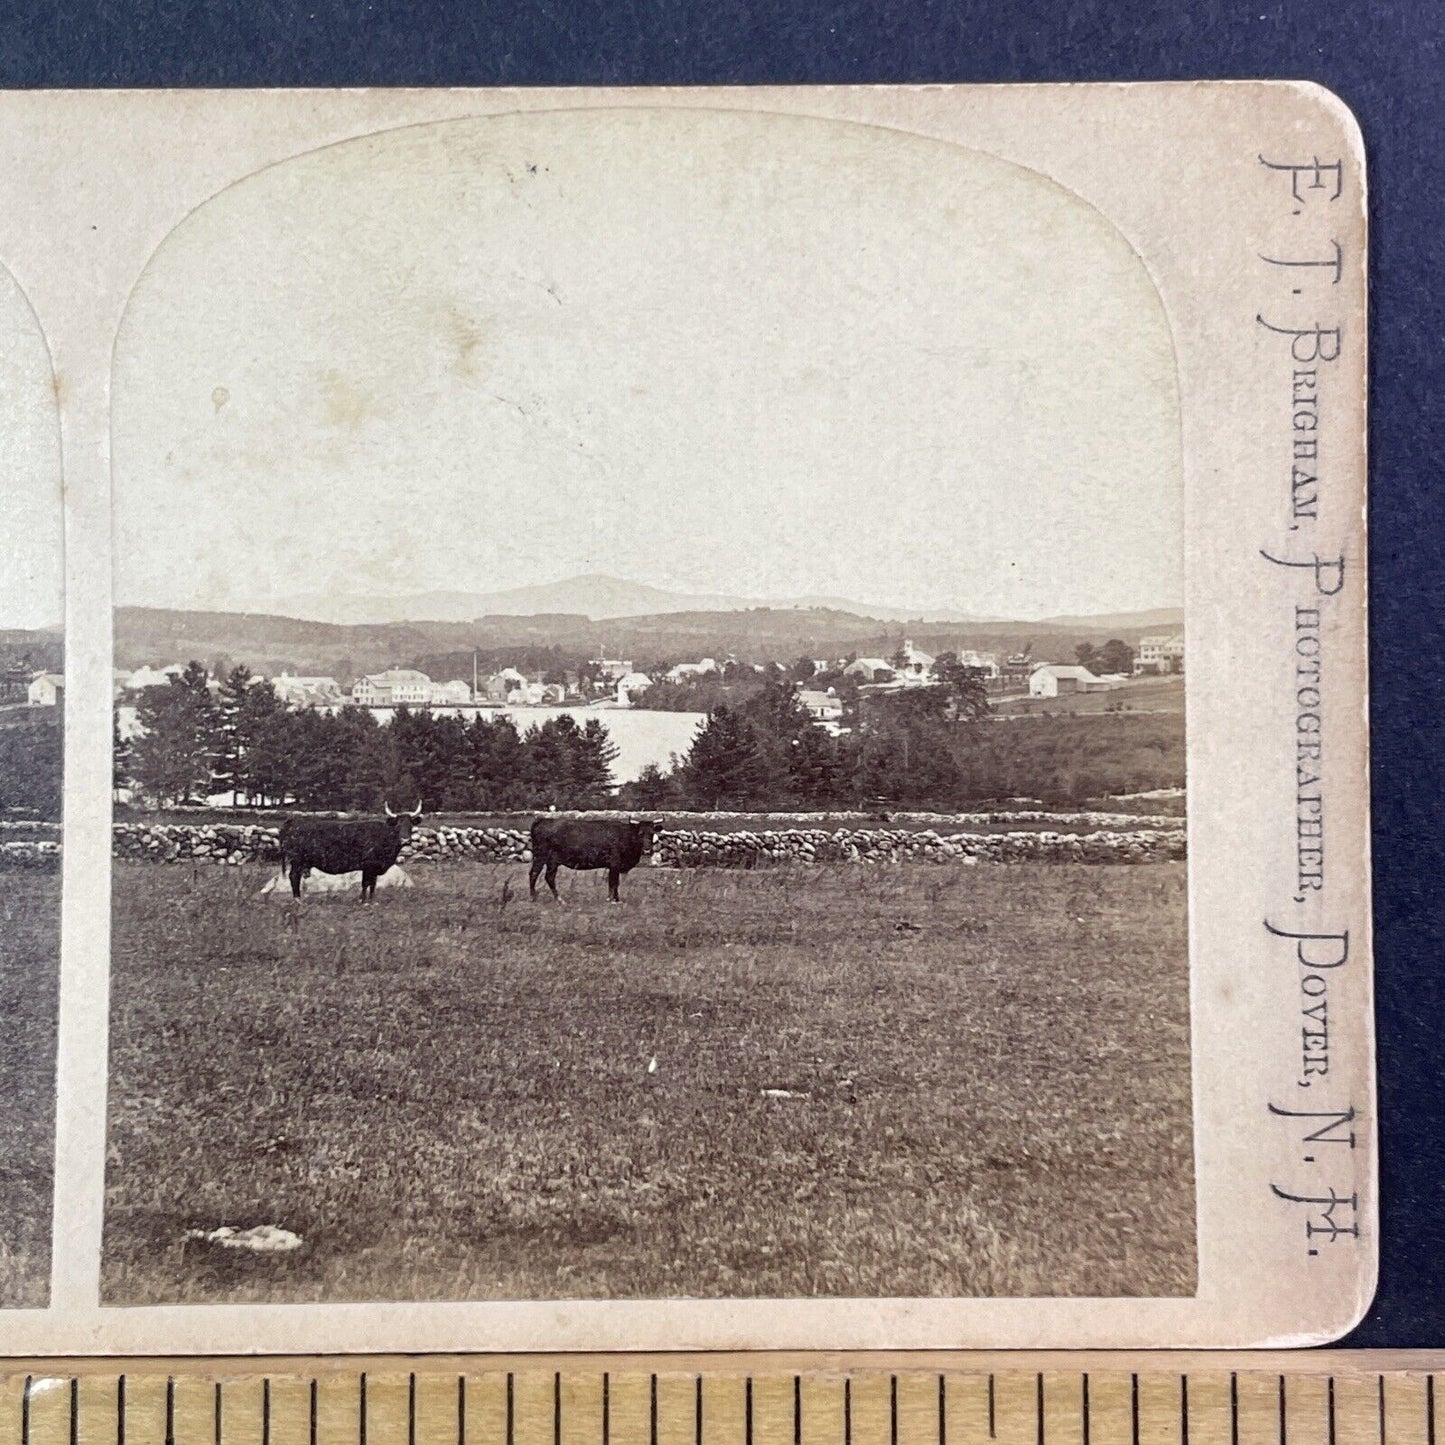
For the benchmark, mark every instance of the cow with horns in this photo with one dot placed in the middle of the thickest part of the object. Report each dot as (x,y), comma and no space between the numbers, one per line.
(616,844)
(369,846)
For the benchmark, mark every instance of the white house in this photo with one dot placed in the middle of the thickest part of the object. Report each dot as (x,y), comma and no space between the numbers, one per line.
(153,676)
(46,689)
(823,707)
(1160,654)
(686,671)
(917,664)
(985,664)
(527,694)
(397,687)
(1056,679)
(502,684)
(450,694)
(630,686)
(306,691)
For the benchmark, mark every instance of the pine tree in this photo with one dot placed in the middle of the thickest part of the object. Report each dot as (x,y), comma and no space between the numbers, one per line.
(176,749)
(725,766)
(230,704)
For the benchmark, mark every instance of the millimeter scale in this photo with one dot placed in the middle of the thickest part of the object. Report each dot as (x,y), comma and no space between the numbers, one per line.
(1332,1397)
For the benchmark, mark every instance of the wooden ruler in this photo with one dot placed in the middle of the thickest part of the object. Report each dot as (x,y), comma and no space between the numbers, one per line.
(1316,1398)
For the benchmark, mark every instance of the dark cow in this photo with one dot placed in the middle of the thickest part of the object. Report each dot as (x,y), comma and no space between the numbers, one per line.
(611,843)
(368,846)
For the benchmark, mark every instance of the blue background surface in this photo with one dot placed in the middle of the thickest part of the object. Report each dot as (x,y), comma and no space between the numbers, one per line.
(1387,61)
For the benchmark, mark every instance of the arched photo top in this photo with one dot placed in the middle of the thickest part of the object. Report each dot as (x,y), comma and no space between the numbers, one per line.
(704,350)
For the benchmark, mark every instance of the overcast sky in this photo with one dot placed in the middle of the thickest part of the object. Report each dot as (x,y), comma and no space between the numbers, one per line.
(711,352)
(31,547)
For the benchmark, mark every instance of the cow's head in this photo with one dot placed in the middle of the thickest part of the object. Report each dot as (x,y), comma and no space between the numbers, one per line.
(645,831)
(403,822)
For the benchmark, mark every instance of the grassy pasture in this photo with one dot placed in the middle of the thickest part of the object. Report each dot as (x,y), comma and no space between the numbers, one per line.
(29,980)
(987,1073)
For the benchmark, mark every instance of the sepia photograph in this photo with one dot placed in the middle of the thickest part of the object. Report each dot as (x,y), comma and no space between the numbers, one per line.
(32,728)
(649,728)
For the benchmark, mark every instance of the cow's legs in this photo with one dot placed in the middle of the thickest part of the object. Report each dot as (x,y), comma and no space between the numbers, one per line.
(297,869)
(612,876)
(368,884)
(552,867)
(533,876)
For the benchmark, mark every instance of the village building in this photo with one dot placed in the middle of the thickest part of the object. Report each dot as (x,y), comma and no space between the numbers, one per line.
(147,676)
(1160,655)
(823,707)
(46,689)
(306,691)
(1055,679)
(502,684)
(869,669)
(981,664)
(397,687)
(610,669)
(630,686)
(916,665)
(450,694)
(687,671)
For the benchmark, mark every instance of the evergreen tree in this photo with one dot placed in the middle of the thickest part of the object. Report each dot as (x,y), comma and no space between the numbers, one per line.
(726,766)
(231,758)
(593,753)
(176,749)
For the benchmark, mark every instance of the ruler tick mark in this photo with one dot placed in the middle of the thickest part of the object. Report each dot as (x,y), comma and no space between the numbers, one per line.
(652,1412)
(697,1410)
(606,1407)
(1184,1410)
(1039,1406)
(1429,1410)
(361,1402)
(942,1410)
(1084,1406)
(25,1410)
(119,1411)
(1233,1408)
(992,1420)
(510,1409)
(847,1412)
(1134,1408)
(462,1412)
(748,1411)
(75,1411)
(1330,1410)
(893,1409)
(411,1408)
(556,1409)
(1282,1424)
(797,1410)
(170,1436)
(219,1412)
(315,1410)
(1381,1393)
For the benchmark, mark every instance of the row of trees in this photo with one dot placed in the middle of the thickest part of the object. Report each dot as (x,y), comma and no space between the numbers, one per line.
(192,743)
(914,748)
(31,748)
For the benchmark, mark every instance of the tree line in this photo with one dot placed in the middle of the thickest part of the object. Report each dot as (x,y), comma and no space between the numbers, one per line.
(927,748)
(241,739)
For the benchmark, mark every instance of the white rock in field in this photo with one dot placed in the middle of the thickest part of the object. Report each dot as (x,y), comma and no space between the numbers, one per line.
(782,1094)
(652,1064)
(333,884)
(259,1239)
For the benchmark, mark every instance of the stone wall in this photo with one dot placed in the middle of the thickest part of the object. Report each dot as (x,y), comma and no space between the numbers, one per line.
(688,848)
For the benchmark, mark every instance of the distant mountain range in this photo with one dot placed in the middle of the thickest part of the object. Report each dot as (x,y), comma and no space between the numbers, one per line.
(602,598)
(594,596)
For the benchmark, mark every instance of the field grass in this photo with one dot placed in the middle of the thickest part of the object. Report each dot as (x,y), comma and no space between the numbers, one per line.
(986,1074)
(29,978)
